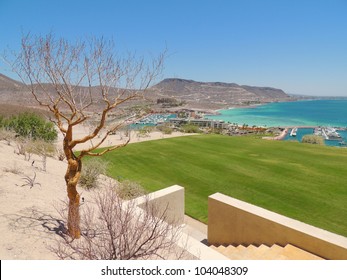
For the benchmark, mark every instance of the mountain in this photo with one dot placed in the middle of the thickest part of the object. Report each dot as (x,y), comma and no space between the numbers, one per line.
(202,95)
(8,83)
(216,94)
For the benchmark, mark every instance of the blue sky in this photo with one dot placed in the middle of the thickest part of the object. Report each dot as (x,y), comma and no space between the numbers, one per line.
(299,46)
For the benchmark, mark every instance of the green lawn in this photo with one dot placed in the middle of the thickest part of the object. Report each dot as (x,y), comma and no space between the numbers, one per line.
(302,181)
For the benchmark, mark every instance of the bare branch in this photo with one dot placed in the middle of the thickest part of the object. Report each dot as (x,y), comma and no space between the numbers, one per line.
(68,78)
(114,229)
(110,149)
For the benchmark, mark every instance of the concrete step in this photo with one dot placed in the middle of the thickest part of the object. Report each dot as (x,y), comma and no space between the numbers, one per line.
(221,249)
(274,253)
(236,253)
(230,250)
(255,253)
(295,253)
(263,252)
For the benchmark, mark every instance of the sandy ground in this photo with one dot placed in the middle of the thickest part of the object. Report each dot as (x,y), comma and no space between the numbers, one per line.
(279,137)
(119,138)
(29,223)
(28,220)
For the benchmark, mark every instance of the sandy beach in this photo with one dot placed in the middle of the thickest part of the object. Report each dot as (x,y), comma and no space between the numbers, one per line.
(29,223)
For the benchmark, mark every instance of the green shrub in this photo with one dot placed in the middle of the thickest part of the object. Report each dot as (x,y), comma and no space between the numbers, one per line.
(313,139)
(3,122)
(129,190)
(165,128)
(189,128)
(91,170)
(144,131)
(30,125)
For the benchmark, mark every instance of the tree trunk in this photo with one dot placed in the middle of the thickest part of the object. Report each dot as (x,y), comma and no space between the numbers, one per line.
(72,176)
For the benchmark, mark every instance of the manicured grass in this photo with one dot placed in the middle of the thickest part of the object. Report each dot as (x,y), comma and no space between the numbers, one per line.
(302,181)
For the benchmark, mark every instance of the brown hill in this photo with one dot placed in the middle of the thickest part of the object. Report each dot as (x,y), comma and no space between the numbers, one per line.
(216,94)
(16,93)
(205,95)
(8,83)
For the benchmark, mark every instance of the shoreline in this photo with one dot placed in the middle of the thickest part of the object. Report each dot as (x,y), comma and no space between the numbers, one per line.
(285,115)
(217,113)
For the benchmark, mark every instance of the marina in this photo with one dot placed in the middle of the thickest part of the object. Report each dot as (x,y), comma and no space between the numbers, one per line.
(333,136)
(154,119)
(329,133)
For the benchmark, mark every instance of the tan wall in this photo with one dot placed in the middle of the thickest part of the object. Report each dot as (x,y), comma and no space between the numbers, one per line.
(234,222)
(171,200)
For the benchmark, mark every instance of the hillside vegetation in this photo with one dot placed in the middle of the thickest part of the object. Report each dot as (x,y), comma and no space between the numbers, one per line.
(305,182)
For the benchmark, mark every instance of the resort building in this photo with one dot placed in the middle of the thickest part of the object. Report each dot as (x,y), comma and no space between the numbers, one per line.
(199,122)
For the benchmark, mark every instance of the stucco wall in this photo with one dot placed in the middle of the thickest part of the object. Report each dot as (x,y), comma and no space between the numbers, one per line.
(170,200)
(234,222)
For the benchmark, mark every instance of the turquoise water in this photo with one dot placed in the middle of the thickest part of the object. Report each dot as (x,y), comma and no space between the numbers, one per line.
(301,132)
(298,113)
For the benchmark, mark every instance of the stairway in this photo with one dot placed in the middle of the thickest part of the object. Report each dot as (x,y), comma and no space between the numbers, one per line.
(263,252)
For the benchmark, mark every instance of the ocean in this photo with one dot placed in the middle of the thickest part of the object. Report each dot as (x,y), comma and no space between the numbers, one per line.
(294,114)
(298,113)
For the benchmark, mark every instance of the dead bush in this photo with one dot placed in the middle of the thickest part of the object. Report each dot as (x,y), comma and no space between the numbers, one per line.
(129,190)
(91,171)
(7,135)
(114,229)
(41,148)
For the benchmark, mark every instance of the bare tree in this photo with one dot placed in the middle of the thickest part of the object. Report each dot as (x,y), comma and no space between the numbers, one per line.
(115,229)
(70,78)
(41,148)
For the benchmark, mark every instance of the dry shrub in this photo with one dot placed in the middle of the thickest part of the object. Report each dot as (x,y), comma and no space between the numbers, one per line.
(313,139)
(41,148)
(114,229)
(7,135)
(129,190)
(165,128)
(91,171)
(21,145)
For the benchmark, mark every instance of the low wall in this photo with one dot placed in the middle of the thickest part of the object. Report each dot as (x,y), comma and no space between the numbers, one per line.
(234,222)
(171,200)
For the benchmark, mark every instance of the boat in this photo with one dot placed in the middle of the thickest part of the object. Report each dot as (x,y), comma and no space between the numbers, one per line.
(333,134)
(293,132)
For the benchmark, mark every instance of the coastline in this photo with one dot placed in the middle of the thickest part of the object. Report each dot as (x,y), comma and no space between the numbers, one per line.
(217,112)
(310,113)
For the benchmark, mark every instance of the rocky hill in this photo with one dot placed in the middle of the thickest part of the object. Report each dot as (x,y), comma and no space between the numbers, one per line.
(216,94)
(8,83)
(204,95)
